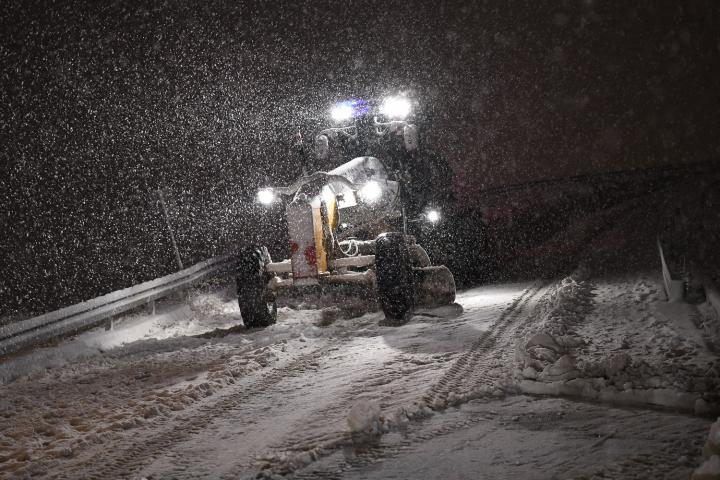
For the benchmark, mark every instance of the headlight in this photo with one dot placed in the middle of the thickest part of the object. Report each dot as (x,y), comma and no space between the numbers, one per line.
(341,112)
(395,107)
(433,216)
(371,191)
(266,196)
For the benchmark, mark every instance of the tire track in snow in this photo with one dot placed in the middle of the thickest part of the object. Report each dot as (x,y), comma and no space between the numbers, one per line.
(366,455)
(131,455)
(316,429)
(585,430)
(318,435)
(471,369)
(464,368)
(126,459)
(297,451)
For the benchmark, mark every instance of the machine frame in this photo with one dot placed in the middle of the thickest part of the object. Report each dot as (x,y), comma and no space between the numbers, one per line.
(348,227)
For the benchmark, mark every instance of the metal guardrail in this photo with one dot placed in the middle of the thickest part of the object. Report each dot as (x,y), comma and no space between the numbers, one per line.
(19,335)
(674,289)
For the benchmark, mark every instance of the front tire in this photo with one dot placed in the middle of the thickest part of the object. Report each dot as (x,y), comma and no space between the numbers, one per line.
(395,281)
(256,302)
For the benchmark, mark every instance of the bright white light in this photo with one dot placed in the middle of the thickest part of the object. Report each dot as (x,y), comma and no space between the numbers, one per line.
(371,191)
(395,107)
(433,216)
(328,196)
(265,196)
(341,112)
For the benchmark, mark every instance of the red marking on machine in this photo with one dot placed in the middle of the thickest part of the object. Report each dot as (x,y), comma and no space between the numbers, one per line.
(311,255)
(301,230)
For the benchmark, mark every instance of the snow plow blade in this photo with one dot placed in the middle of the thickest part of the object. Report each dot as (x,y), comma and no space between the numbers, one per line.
(347,290)
(434,286)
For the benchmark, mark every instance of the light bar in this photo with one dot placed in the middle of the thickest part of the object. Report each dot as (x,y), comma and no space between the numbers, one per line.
(347,109)
(341,112)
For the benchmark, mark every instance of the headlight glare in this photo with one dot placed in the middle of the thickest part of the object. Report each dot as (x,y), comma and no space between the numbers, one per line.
(371,191)
(341,112)
(395,107)
(266,196)
(433,216)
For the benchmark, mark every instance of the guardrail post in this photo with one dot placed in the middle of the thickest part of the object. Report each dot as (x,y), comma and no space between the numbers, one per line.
(674,289)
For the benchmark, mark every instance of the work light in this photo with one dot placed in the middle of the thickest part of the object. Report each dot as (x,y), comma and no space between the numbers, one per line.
(371,191)
(396,108)
(266,196)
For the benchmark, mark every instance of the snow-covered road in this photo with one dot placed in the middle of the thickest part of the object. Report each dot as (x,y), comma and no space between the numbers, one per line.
(277,401)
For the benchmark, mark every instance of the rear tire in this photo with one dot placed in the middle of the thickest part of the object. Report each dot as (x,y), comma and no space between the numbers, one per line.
(395,281)
(256,302)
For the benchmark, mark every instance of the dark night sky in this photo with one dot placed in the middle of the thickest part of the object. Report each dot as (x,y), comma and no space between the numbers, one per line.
(105,101)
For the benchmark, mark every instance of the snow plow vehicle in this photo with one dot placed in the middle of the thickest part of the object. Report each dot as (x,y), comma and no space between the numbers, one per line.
(350,227)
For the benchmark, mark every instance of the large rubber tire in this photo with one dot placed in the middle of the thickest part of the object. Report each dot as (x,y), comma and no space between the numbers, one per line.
(395,281)
(257,306)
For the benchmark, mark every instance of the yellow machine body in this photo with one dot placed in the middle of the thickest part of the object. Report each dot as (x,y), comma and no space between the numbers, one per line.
(311,226)
(325,221)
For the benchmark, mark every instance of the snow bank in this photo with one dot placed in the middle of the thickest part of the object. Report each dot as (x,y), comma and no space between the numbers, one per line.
(710,469)
(619,343)
(710,322)
(545,352)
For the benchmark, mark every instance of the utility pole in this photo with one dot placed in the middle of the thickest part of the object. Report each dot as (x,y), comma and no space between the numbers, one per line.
(169,227)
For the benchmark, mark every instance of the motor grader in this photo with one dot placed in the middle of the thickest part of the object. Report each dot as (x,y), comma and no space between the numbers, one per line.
(350,227)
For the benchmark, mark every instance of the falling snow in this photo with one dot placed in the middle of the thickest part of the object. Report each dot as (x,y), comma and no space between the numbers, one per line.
(564,141)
